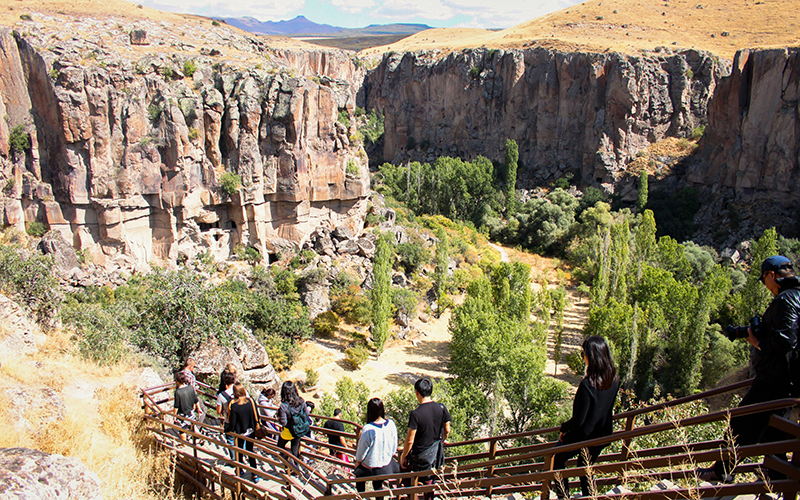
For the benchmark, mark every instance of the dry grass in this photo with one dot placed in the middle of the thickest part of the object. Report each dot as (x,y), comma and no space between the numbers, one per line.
(102,426)
(629,26)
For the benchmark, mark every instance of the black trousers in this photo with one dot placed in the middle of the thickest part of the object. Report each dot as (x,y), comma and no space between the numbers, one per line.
(754,428)
(391,468)
(248,446)
(586,456)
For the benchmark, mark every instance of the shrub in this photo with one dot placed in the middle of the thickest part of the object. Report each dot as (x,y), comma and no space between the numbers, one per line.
(229,182)
(252,256)
(154,113)
(30,281)
(167,72)
(326,324)
(215,23)
(575,362)
(189,67)
(404,301)
(19,139)
(25,17)
(193,134)
(474,72)
(356,356)
(373,129)
(281,350)
(312,377)
(36,229)
(344,118)
(697,132)
(352,168)
(413,255)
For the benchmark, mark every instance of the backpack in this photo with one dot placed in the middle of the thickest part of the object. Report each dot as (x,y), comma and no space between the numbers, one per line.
(298,422)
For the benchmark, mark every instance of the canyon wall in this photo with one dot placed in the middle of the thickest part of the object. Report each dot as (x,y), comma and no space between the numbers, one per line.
(569,112)
(129,148)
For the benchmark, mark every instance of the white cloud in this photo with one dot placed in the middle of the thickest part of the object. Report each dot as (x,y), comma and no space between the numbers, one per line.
(504,13)
(262,9)
(404,10)
(353,6)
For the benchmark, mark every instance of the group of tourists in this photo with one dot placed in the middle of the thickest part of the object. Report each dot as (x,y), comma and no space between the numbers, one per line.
(429,424)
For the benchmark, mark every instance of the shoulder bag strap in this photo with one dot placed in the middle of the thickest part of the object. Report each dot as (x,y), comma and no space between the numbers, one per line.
(254,413)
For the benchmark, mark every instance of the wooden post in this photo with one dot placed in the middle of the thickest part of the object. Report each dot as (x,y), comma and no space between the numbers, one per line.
(490,472)
(626,444)
(548,465)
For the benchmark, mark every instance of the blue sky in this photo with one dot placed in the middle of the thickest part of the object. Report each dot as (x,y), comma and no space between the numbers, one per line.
(360,13)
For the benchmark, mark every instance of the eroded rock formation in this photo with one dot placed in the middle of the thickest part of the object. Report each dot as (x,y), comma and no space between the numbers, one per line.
(26,473)
(128,148)
(569,112)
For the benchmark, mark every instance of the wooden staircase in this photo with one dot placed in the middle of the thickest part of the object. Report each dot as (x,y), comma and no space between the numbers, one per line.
(503,469)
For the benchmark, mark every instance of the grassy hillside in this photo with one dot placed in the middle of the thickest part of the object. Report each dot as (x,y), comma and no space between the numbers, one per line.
(719,26)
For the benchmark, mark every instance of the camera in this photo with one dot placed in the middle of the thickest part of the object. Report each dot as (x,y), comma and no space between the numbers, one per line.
(740,332)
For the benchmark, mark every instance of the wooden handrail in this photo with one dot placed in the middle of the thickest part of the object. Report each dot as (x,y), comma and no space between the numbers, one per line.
(493,472)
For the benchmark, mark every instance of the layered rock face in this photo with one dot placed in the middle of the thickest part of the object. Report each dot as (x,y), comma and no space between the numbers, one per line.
(568,112)
(753,137)
(129,147)
(27,473)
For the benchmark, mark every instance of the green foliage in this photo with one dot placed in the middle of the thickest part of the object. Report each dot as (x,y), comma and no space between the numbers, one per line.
(352,168)
(36,229)
(312,377)
(404,301)
(189,67)
(215,23)
(282,351)
(511,159)
(356,356)
(252,255)
(193,134)
(25,17)
(349,302)
(474,72)
(167,72)
(350,396)
(698,132)
(495,349)
(19,140)
(229,183)
(381,293)
(344,118)
(372,130)
(541,223)
(28,279)
(154,113)
(451,187)
(442,259)
(326,324)
(641,195)
(413,254)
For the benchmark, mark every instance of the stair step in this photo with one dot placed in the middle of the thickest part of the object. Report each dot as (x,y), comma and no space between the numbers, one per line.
(663,485)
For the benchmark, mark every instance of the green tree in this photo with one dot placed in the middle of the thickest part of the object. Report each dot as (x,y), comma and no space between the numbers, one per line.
(381,294)
(511,159)
(442,258)
(641,196)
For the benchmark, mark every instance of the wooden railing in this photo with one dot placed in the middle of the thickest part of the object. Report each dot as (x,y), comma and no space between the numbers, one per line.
(203,458)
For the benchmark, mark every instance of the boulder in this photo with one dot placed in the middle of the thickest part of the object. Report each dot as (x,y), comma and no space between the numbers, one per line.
(211,358)
(317,298)
(342,233)
(251,353)
(64,256)
(324,245)
(347,247)
(19,334)
(366,247)
(26,473)
(34,407)
(266,376)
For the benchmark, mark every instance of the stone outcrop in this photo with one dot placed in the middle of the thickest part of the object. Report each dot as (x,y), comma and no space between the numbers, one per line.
(19,334)
(26,473)
(580,113)
(247,355)
(129,147)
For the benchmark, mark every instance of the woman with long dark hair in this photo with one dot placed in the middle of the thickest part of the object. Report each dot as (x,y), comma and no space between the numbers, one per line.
(377,446)
(592,411)
(291,405)
(242,421)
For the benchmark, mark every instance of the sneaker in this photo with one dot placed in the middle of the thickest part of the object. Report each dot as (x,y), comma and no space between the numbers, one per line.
(711,476)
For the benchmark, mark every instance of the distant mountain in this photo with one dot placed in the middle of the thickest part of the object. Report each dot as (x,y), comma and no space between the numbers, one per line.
(301,26)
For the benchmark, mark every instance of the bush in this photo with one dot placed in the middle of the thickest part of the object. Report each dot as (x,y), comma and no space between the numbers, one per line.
(356,356)
(19,139)
(154,113)
(36,229)
(344,118)
(229,183)
(413,255)
(575,362)
(193,134)
(698,132)
(352,168)
(404,301)
(252,256)
(373,129)
(167,72)
(350,303)
(282,351)
(474,72)
(25,17)
(215,23)
(189,67)
(326,324)
(29,280)
(312,377)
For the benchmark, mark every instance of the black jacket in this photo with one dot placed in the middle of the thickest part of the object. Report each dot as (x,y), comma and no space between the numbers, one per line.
(774,359)
(592,413)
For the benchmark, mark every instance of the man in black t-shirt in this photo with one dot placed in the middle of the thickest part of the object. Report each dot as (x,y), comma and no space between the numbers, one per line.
(334,439)
(428,428)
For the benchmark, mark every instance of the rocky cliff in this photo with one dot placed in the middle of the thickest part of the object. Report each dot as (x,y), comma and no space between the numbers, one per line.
(569,112)
(131,132)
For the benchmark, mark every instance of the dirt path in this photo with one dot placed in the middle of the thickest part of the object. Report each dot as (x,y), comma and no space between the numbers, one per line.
(426,349)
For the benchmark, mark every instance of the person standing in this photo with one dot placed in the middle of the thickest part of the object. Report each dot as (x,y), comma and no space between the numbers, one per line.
(592,411)
(428,428)
(185,400)
(224,398)
(188,369)
(333,439)
(774,360)
(292,407)
(377,446)
(242,421)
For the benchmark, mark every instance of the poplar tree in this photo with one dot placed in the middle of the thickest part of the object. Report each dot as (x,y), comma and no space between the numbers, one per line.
(512,157)
(381,295)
